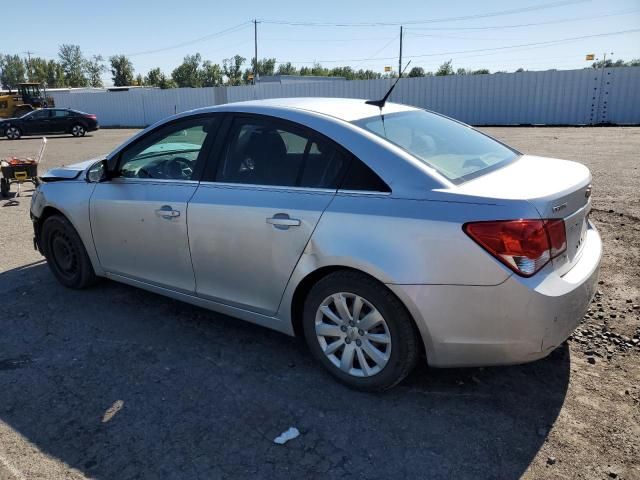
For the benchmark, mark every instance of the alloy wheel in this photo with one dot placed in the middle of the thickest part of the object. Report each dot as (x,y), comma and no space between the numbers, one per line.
(353,334)
(77,130)
(13,133)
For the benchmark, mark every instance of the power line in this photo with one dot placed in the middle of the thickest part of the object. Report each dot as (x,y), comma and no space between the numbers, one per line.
(550,42)
(550,22)
(227,31)
(432,20)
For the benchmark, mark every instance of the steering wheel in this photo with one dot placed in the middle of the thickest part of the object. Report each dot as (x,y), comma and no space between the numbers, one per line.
(178,168)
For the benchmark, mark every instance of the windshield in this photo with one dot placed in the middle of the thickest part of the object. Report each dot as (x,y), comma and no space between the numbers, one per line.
(455,150)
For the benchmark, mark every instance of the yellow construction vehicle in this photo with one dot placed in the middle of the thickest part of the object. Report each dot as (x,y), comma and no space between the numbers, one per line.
(27,98)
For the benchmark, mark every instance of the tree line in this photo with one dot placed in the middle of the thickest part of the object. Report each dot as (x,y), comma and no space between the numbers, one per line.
(73,69)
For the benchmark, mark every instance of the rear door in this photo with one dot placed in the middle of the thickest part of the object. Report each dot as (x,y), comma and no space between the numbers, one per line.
(59,121)
(139,218)
(252,216)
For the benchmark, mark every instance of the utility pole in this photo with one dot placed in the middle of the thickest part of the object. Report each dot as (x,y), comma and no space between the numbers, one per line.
(400,57)
(256,74)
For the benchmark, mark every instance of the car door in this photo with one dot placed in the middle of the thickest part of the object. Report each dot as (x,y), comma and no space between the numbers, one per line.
(59,121)
(139,218)
(37,123)
(253,214)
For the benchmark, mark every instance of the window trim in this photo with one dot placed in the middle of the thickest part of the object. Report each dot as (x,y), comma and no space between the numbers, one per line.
(203,155)
(214,165)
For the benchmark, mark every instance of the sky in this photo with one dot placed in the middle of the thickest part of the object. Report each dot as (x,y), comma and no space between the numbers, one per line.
(494,34)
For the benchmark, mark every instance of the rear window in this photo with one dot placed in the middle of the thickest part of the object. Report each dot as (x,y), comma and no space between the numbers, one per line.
(454,149)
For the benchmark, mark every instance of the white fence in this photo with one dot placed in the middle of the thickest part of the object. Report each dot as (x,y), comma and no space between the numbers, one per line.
(570,97)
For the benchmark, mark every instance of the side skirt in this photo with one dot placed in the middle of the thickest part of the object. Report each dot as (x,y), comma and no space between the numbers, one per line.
(257,318)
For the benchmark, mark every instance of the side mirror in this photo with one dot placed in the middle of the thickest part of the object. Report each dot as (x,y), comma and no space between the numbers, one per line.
(98,172)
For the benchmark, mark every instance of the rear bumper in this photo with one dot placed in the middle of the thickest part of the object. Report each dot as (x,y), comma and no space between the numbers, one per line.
(517,321)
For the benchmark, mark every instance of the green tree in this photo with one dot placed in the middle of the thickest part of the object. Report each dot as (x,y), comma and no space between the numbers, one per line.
(55,75)
(188,73)
(164,82)
(416,72)
(232,68)
(346,72)
(211,74)
(608,63)
(462,71)
(266,66)
(95,68)
(36,70)
(121,71)
(73,65)
(481,71)
(152,79)
(286,69)
(635,62)
(12,71)
(366,74)
(444,69)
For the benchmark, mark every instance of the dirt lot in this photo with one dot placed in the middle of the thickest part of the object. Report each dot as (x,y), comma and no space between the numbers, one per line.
(115,382)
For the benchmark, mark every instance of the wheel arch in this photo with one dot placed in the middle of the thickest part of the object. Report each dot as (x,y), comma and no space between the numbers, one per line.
(77,122)
(304,286)
(71,212)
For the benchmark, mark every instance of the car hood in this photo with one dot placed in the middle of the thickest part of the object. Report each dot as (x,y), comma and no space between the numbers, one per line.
(69,172)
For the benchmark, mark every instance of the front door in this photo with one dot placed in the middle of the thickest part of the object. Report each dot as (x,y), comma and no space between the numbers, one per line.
(38,122)
(250,221)
(139,218)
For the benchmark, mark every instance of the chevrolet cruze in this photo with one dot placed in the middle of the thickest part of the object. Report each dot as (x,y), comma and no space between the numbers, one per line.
(380,232)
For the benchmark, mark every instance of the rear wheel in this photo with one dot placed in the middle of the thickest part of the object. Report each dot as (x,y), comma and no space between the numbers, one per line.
(13,133)
(66,256)
(360,331)
(78,130)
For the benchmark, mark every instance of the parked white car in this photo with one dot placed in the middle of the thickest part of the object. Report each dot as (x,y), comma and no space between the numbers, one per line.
(380,234)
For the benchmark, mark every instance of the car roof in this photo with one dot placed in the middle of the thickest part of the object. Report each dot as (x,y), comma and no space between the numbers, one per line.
(347,109)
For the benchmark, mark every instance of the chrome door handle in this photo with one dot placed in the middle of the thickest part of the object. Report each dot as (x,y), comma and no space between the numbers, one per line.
(282,221)
(167,212)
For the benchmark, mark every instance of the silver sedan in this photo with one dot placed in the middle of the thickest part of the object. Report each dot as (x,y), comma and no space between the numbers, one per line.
(380,232)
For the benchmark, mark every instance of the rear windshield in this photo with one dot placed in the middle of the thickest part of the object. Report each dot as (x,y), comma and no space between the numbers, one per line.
(454,149)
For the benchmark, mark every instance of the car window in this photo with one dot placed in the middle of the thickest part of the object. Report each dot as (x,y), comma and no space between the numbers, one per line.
(455,150)
(261,152)
(169,153)
(60,113)
(40,114)
(361,177)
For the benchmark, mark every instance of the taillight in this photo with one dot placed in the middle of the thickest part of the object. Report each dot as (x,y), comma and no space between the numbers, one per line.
(92,117)
(525,246)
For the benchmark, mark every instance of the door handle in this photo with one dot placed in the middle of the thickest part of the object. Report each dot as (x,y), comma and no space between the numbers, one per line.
(167,212)
(282,221)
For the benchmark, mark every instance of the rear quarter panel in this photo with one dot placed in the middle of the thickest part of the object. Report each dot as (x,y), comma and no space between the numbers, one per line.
(405,241)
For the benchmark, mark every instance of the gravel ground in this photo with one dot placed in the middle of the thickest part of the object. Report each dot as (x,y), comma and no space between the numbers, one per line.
(115,382)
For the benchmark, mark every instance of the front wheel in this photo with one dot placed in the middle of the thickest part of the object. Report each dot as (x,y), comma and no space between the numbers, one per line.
(78,130)
(360,331)
(66,256)
(13,133)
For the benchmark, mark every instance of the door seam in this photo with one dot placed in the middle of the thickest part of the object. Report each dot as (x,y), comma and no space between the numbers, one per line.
(302,252)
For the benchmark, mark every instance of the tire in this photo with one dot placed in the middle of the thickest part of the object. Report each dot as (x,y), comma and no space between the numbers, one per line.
(13,133)
(4,187)
(78,130)
(66,256)
(395,348)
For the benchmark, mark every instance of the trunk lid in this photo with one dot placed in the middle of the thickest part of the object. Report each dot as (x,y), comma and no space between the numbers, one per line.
(556,188)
